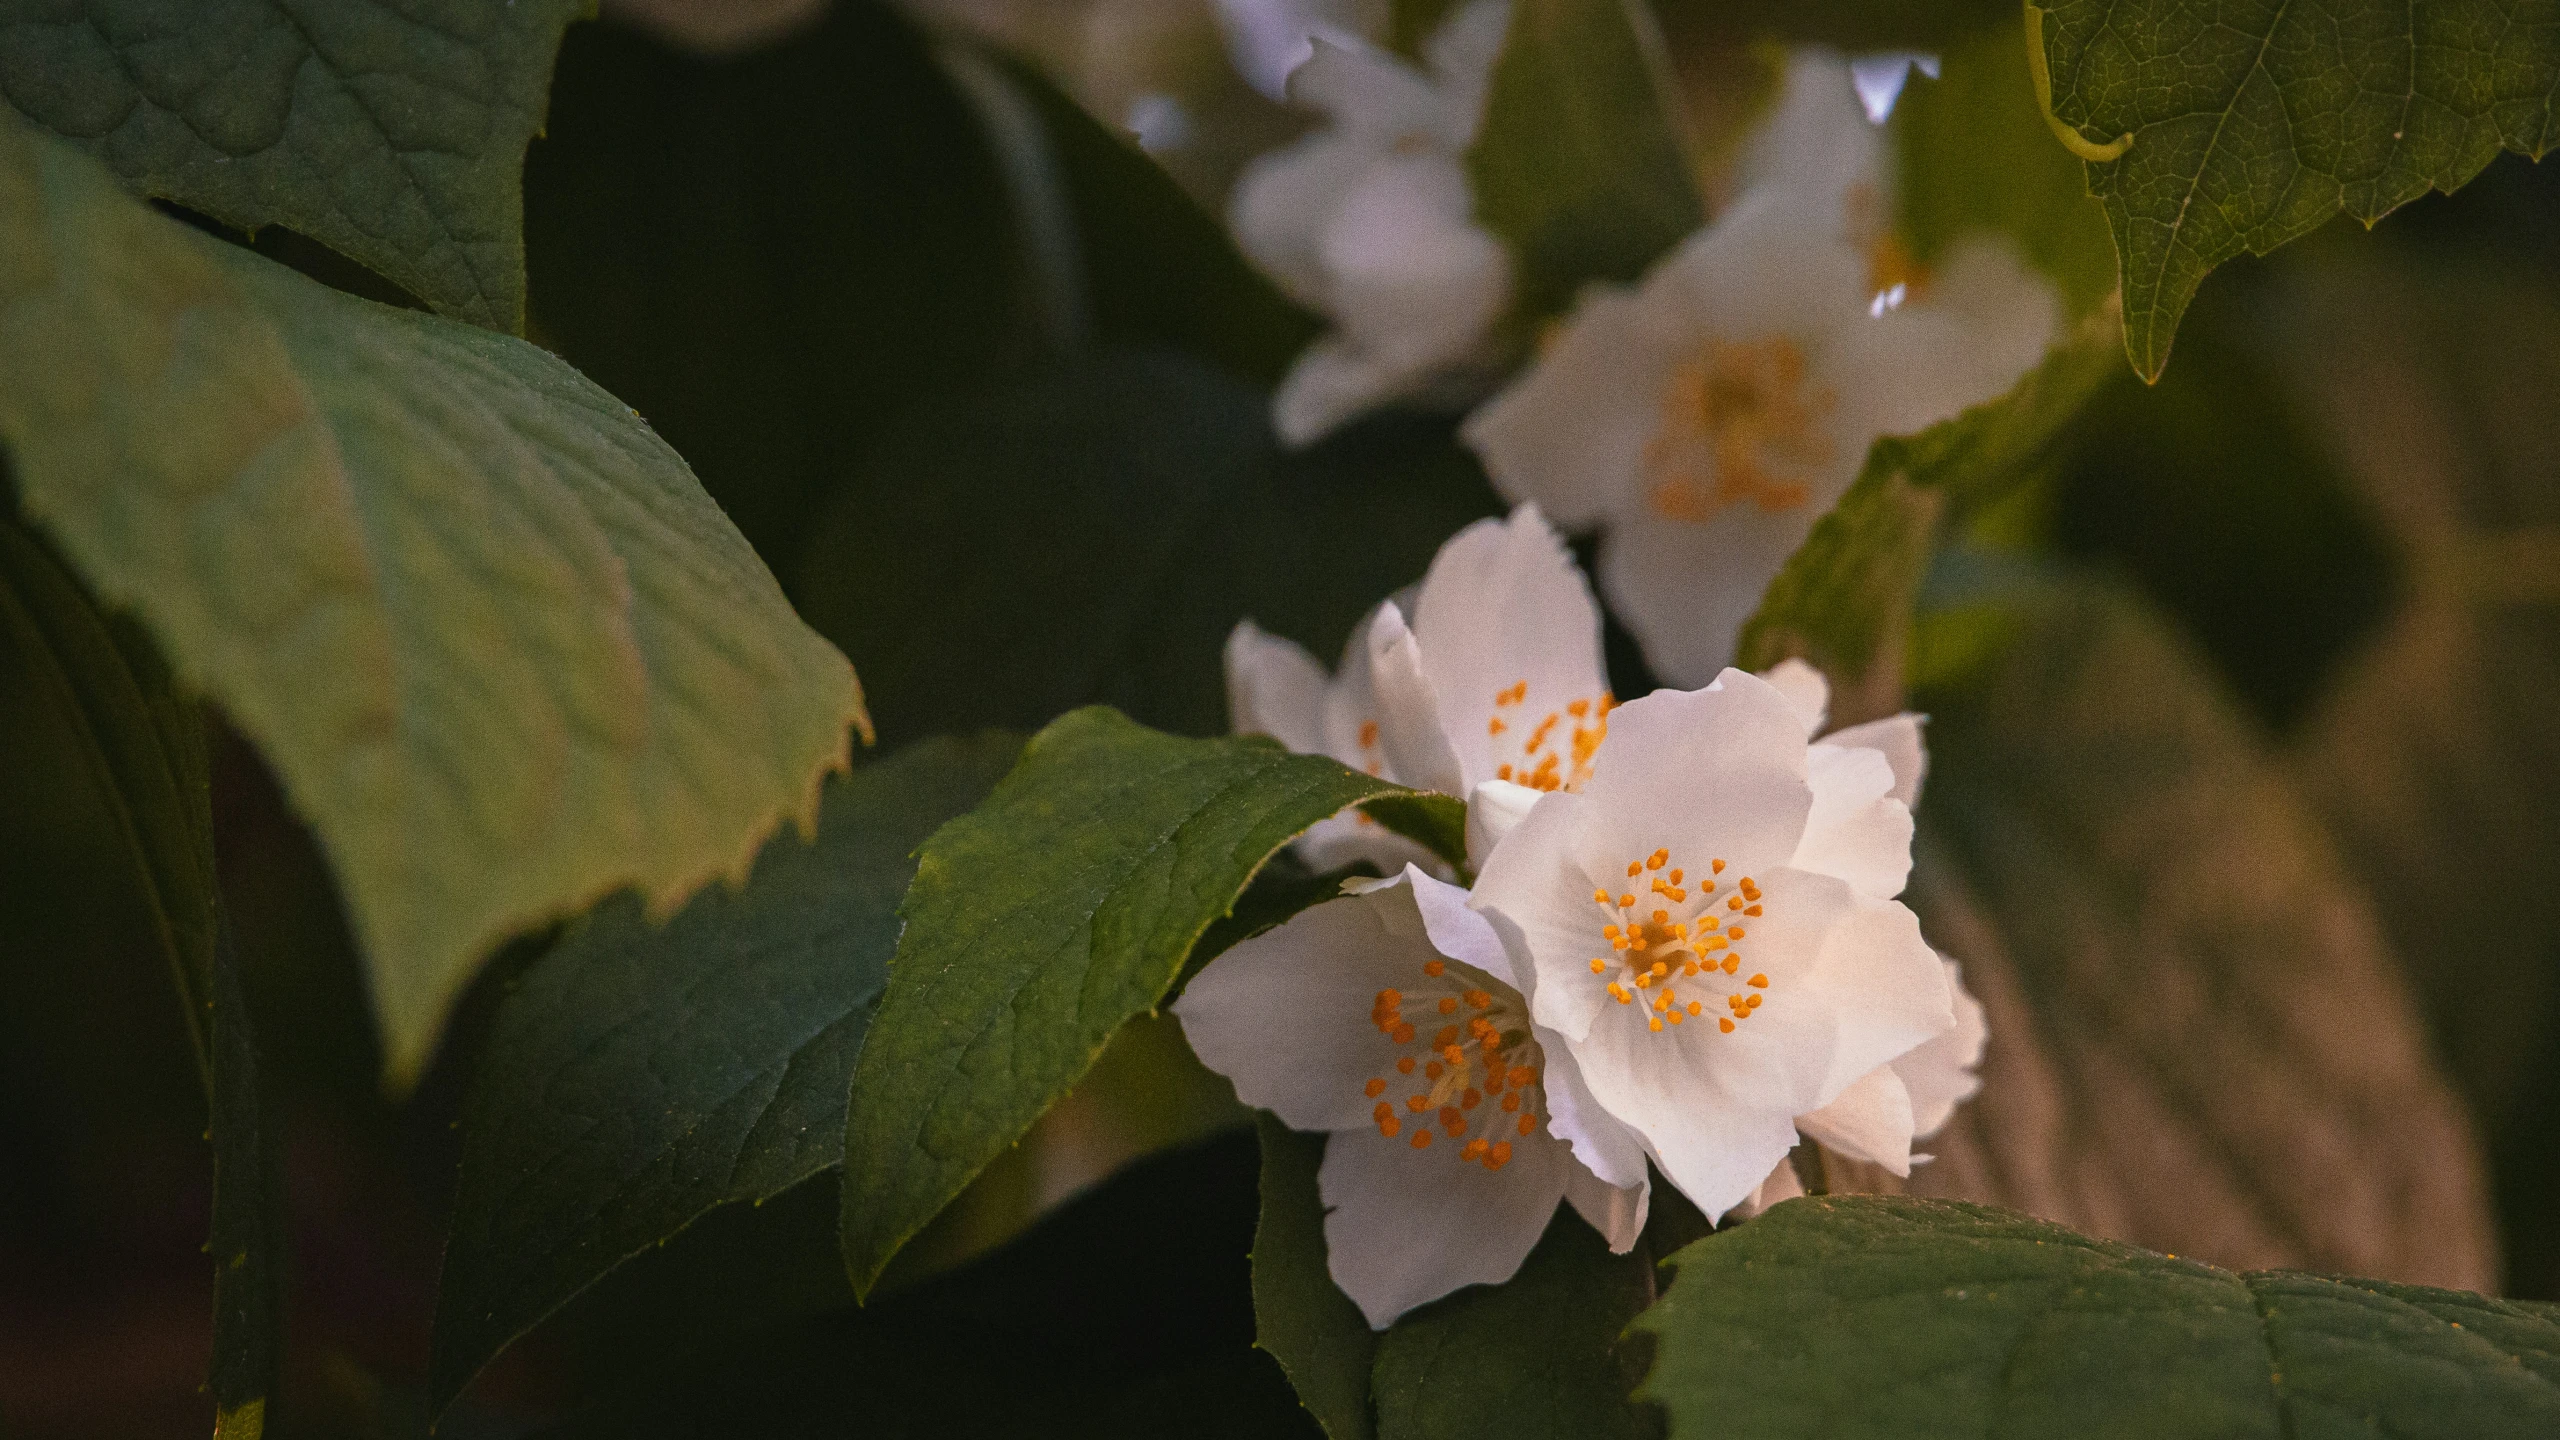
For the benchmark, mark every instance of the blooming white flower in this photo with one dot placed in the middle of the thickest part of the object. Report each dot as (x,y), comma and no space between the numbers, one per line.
(1686,931)
(1705,420)
(1498,678)
(1370,222)
(1880,77)
(1393,1019)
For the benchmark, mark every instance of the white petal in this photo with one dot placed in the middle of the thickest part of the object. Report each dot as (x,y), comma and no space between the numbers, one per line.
(1887,989)
(1351,838)
(1330,383)
(1364,89)
(1783,1184)
(1536,893)
(1410,730)
(1715,772)
(1897,738)
(1985,320)
(1871,1120)
(1805,688)
(1494,810)
(1351,709)
(1715,1149)
(1602,1143)
(1504,612)
(1275,688)
(1570,433)
(1284,200)
(1461,56)
(1940,1074)
(1857,830)
(1618,1214)
(1457,931)
(1412,279)
(1880,77)
(1817,146)
(1408,1226)
(1286,1016)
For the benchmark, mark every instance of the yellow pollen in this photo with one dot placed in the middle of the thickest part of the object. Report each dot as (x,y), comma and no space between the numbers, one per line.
(1675,877)
(1751,910)
(1434,968)
(1601,897)
(1626,902)
(1754,1001)
(1724,1025)
(1368,734)
(1434,1070)
(1375,1088)
(1657,859)
(1495,726)
(1471,1099)
(1502,774)
(1479,999)
(1421,1139)
(1716,865)
(1732,963)
(1511,1101)
(1476,1147)
(1578,709)
(1654,1024)
(1661,917)
(1417,1103)
(1634,867)
(1389,1126)
(1697,1007)
(1448,1004)
(1762,981)
(1499,1156)
(1404,1065)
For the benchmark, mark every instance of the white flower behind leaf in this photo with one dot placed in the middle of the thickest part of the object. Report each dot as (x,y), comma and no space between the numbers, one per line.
(1705,420)
(1393,1020)
(1496,680)
(1712,986)
(1370,222)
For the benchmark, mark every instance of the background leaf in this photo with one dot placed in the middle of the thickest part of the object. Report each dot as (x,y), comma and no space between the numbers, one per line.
(502,651)
(1037,925)
(1865,1316)
(145,754)
(642,1074)
(2201,1040)
(1299,1315)
(2254,123)
(394,134)
(1583,165)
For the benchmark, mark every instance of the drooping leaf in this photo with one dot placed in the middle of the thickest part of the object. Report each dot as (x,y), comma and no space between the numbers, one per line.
(500,648)
(1036,926)
(2216,129)
(1299,1314)
(1583,165)
(2200,1040)
(1537,1356)
(642,1074)
(1973,159)
(1853,1316)
(392,133)
(145,754)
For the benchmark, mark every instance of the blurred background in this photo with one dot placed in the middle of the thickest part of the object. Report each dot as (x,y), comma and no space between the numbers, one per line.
(2248,733)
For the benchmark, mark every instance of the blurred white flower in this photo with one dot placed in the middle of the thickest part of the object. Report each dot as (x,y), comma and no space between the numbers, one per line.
(1685,931)
(1496,682)
(1392,1019)
(1705,420)
(1370,222)
(1879,78)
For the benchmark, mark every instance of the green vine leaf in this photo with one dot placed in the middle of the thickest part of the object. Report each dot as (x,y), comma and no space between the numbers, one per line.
(504,654)
(1037,925)
(1873,1315)
(641,1075)
(2252,124)
(394,134)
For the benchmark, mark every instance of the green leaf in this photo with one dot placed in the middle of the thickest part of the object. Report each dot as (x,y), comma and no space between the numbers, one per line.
(1973,157)
(2202,1042)
(1299,1314)
(504,654)
(1537,1356)
(642,1074)
(1583,165)
(394,134)
(2251,124)
(1036,926)
(1410,22)
(145,754)
(1435,821)
(1852,25)
(1849,1316)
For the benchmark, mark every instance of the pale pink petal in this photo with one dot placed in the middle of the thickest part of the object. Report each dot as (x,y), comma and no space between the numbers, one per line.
(1897,738)
(1275,688)
(1783,1184)
(1805,688)
(1871,1120)
(1857,831)
(1940,1074)
(1718,772)
(1410,732)
(1494,810)
(1408,1226)
(1618,1214)
(1888,989)
(1510,638)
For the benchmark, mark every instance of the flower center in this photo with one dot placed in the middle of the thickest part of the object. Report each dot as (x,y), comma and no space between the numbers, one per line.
(1738,426)
(1679,931)
(1475,1052)
(1542,764)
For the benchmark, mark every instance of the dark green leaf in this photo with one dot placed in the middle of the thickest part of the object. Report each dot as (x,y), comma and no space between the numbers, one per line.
(2250,124)
(1583,164)
(1852,25)
(394,134)
(1856,1316)
(1437,822)
(502,651)
(2201,1041)
(144,749)
(1299,1314)
(1538,1356)
(1410,22)
(642,1074)
(1036,926)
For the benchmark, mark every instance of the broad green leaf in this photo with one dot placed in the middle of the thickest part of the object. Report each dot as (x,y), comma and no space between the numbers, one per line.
(2211,130)
(1856,1316)
(1437,822)
(1036,926)
(1852,25)
(504,654)
(1583,165)
(1299,1314)
(1537,1356)
(1973,158)
(145,755)
(2202,1042)
(392,133)
(642,1074)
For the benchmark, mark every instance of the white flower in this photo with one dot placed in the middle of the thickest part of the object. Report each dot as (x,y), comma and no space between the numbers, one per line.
(1392,1018)
(1497,679)
(1879,78)
(1705,420)
(1370,222)
(1711,984)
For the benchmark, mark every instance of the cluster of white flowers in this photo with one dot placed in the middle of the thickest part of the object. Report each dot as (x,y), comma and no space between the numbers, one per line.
(1682,947)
